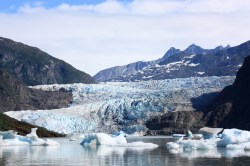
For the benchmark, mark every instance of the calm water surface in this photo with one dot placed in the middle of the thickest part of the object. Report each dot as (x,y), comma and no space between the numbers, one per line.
(72,153)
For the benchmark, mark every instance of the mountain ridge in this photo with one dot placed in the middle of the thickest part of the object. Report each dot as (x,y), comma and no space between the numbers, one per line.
(34,67)
(225,62)
(171,53)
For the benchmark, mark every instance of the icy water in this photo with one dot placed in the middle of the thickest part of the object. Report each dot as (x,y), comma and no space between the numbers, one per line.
(72,153)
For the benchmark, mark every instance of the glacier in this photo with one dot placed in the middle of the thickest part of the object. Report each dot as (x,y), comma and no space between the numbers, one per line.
(115,106)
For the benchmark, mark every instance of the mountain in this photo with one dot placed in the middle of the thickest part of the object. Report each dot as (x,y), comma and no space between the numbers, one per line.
(157,70)
(116,71)
(130,69)
(195,49)
(221,61)
(170,52)
(33,66)
(230,109)
(15,95)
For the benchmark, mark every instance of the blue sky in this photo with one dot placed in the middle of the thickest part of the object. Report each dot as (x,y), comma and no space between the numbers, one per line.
(11,6)
(93,35)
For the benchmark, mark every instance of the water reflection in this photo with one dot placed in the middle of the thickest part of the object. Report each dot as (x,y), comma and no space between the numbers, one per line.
(215,153)
(72,153)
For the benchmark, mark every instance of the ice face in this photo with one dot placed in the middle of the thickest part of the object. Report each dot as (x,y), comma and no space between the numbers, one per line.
(109,107)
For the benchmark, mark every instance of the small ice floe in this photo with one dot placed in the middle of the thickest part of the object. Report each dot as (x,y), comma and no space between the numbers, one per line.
(188,135)
(229,138)
(8,134)
(208,132)
(114,141)
(179,135)
(11,138)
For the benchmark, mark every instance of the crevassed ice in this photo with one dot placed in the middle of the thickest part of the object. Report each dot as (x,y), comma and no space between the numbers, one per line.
(108,107)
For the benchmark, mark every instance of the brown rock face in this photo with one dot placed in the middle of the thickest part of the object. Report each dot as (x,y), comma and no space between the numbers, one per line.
(174,122)
(15,95)
(232,107)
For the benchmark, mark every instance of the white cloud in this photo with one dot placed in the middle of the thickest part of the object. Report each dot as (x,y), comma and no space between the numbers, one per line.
(94,37)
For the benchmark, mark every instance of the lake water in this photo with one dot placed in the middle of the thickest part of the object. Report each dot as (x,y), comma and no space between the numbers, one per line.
(72,153)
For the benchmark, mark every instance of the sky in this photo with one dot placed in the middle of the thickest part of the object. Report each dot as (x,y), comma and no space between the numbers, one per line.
(93,35)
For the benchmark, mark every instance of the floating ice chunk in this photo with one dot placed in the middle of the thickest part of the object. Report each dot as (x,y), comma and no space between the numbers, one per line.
(179,135)
(235,141)
(173,145)
(15,142)
(209,132)
(100,138)
(121,140)
(8,134)
(189,134)
(197,136)
(29,139)
(233,136)
(38,142)
(235,146)
(192,144)
(33,134)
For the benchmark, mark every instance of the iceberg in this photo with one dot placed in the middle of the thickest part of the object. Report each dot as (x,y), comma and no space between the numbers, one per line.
(116,141)
(8,134)
(209,132)
(15,142)
(229,138)
(12,138)
(100,138)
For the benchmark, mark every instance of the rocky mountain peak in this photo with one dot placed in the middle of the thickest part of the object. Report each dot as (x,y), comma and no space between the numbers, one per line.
(194,49)
(227,47)
(170,52)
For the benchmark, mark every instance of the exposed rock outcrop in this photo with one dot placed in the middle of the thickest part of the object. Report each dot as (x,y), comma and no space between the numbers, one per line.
(174,122)
(15,95)
(231,108)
